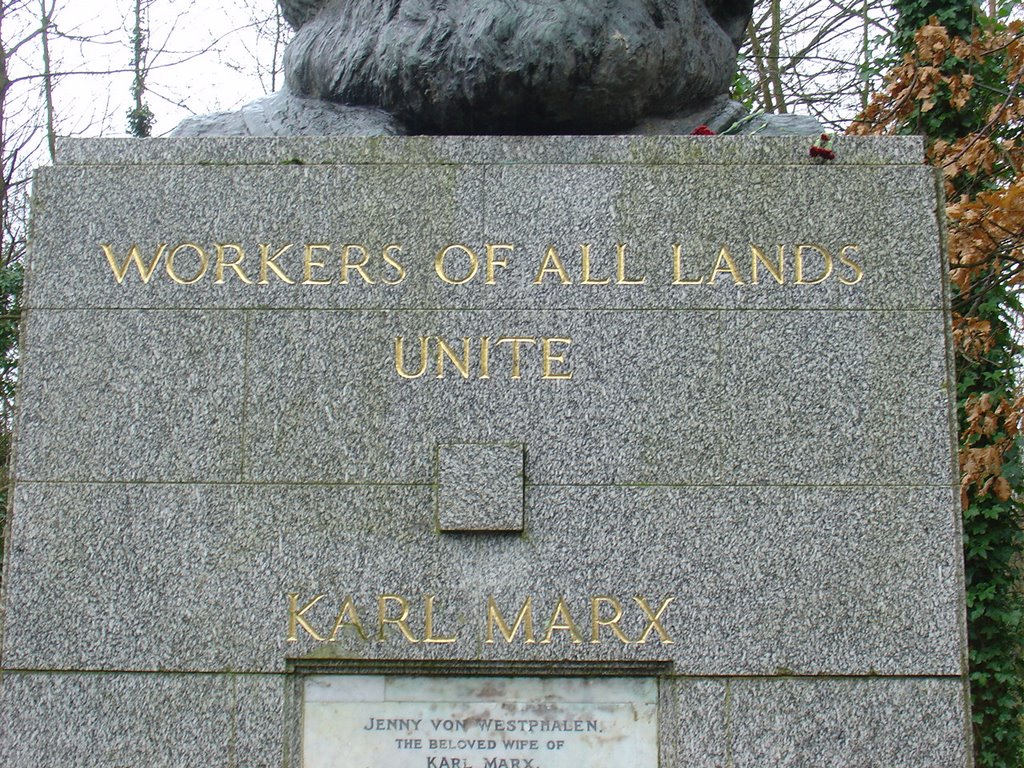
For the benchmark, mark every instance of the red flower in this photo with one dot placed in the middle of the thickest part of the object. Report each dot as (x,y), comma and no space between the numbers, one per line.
(822,148)
(702,130)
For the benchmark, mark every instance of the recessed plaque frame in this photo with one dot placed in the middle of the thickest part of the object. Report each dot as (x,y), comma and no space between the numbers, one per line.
(415,715)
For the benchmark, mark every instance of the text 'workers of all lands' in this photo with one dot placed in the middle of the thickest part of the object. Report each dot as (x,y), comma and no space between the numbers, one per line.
(321,264)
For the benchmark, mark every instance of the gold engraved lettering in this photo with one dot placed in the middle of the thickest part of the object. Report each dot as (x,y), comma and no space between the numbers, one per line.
(799,263)
(485,354)
(524,619)
(547,358)
(556,267)
(439,264)
(392,262)
(677,268)
(587,280)
(347,616)
(269,264)
(776,270)
(654,620)
(400,358)
(172,272)
(235,265)
(562,620)
(359,266)
(296,617)
(729,268)
(309,263)
(596,622)
(428,623)
(399,621)
(515,341)
(133,257)
(443,350)
(493,262)
(846,261)
(620,268)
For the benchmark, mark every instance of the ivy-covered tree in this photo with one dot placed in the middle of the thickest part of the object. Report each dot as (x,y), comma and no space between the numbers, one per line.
(140,116)
(961,86)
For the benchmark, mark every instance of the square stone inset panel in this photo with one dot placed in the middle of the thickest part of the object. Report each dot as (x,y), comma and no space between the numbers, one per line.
(131,395)
(822,398)
(840,723)
(480,486)
(120,719)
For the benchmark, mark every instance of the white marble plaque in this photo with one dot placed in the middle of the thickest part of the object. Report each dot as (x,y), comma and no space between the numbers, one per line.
(377,721)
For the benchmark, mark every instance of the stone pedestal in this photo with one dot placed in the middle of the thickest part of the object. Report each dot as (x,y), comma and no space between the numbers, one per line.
(563,427)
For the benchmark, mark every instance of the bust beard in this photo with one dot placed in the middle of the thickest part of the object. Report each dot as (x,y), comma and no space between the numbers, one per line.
(515,66)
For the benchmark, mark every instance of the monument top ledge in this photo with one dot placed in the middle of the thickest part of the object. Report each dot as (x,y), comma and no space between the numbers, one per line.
(487,150)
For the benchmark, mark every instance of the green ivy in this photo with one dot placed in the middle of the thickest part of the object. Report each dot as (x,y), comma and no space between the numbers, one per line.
(993,539)
(957,16)
(140,121)
(10,313)
(992,545)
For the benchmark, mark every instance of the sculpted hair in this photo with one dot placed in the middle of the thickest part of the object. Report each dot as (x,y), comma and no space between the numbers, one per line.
(512,66)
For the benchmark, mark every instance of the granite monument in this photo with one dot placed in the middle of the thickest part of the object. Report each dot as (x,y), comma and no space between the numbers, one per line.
(484,451)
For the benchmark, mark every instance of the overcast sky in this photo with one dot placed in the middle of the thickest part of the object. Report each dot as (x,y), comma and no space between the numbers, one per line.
(204,56)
